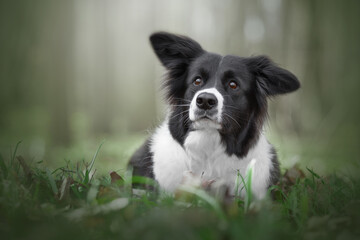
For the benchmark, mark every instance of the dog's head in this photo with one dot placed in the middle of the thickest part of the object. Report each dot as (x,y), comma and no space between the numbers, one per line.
(210,91)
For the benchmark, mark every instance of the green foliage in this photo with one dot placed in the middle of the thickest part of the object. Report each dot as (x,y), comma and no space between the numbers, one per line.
(70,202)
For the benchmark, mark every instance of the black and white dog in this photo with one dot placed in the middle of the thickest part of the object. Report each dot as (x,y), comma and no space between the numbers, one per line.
(217,110)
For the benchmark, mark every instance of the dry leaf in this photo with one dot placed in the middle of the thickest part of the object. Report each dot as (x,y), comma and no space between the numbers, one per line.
(292,174)
(115,177)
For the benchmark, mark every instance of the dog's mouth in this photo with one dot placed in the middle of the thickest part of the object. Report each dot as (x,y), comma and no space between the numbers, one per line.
(206,120)
(205,115)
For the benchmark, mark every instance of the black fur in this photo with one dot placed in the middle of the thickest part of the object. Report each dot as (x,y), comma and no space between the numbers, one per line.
(141,161)
(275,171)
(175,53)
(245,108)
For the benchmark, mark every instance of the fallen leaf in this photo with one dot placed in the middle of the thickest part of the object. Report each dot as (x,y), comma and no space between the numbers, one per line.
(115,177)
(292,174)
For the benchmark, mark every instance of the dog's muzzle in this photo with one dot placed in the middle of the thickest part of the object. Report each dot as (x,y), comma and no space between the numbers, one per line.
(206,105)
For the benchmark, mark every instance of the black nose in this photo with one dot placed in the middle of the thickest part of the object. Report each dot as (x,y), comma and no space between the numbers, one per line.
(206,101)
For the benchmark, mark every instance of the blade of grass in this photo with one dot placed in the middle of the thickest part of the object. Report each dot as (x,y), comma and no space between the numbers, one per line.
(237,184)
(144,180)
(313,173)
(95,155)
(244,184)
(248,175)
(14,154)
(79,173)
(92,175)
(205,197)
(86,177)
(52,182)
(275,187)
(57,169)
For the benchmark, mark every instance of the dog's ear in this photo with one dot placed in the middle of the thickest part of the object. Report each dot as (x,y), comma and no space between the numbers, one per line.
(271,79)
(175,51)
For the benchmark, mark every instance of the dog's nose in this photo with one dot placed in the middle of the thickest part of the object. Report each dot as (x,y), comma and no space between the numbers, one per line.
(206,101)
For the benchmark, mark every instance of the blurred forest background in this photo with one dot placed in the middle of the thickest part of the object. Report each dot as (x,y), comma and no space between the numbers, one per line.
(73,73)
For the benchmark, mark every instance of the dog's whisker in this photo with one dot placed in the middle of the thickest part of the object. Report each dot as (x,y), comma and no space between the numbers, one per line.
(233,119)
(231,107)
(181,105)
(187,120)
(180,113)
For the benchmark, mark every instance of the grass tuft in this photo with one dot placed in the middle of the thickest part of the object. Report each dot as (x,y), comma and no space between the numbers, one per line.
(73,202)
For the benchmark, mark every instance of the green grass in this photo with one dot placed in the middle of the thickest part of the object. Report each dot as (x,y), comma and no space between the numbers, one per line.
(75,202)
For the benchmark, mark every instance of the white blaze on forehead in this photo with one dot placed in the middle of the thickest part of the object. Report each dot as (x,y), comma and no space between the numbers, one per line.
(219,107)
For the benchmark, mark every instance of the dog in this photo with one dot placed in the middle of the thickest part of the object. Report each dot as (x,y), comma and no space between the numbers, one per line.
(217,108)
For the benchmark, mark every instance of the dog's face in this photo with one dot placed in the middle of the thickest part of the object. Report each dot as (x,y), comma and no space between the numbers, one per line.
(219,90)
(227,93)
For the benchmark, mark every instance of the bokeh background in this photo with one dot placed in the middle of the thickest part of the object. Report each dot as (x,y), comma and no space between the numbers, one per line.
(75,73)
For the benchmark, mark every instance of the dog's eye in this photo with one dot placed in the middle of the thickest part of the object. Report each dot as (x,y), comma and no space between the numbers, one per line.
(197,81)
(233,85)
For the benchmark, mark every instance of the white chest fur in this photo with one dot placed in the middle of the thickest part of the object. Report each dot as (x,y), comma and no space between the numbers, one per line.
(205,156)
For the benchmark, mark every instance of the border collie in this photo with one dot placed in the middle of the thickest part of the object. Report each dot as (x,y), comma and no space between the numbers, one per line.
(214,128)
